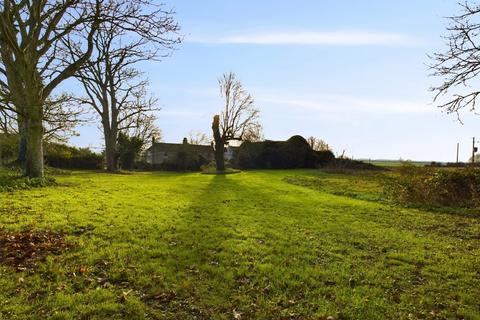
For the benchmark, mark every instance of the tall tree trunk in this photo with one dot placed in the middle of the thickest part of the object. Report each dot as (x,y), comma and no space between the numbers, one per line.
(111,149)
(1,149)
(34,138)
(22,145)
(219,156)
(219,144)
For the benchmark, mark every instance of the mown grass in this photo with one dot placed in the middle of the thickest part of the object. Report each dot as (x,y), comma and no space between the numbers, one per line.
(247,246)
(364,185)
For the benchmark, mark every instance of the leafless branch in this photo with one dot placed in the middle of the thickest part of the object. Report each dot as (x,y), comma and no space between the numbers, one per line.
(459,65)
(239,119)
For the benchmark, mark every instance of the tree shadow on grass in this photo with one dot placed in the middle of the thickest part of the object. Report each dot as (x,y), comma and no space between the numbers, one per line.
(214,252)
(268,250)
(242,247)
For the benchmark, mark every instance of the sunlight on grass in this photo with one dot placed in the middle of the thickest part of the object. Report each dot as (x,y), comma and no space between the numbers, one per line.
(193,246)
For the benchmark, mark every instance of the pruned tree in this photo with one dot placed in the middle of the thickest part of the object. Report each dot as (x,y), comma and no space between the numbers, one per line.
(31,35)
(239,119)
(459,65)
(114,88)
(318,144)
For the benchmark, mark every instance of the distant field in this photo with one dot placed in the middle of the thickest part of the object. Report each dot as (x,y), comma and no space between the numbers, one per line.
(395,163)
(296,244)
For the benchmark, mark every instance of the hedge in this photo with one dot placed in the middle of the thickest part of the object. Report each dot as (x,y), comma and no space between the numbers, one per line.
(290,154)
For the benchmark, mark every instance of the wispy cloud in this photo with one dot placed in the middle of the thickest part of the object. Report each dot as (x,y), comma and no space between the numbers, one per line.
(341,104)
(338,38)
(347,105)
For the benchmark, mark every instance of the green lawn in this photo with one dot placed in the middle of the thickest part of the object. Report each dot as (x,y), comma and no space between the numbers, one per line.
(253,245)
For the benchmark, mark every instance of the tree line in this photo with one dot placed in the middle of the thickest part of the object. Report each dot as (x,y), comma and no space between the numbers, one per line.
(97,42)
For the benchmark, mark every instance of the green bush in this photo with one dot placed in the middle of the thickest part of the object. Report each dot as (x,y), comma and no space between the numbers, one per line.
(187,159)
(67,157)
(290,154)
(345,165)
(435,187)
(128,150)
(248,155)
(12,179)
(83,162)
(56,155)
(323,158)
(208,166)
(8,147)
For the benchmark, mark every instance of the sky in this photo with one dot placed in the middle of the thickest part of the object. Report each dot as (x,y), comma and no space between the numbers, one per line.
(350,72)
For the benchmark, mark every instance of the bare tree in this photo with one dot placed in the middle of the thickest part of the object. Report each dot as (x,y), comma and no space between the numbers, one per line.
(318,144)
(143,127)
(114,88)
(7,122)
(459,64)
(8,132)
(239,119)
(31,33)
(61,115)
(198,138)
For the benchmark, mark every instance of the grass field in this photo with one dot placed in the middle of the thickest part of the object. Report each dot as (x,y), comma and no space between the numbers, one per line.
(254,245)
(396,163)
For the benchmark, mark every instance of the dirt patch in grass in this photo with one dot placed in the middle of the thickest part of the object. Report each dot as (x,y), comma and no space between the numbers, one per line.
(23,250)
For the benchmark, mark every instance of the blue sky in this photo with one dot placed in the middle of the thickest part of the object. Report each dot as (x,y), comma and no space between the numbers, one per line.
(351,72)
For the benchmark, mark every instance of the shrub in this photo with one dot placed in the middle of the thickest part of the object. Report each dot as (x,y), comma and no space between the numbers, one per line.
(344,165)
(293,153)
(8,147)
(208,167)
(248,155)
(87,162)
(187,159)
(128,150)
(66,157)
(452,164)
(435,187)
(324,158)
(12,179)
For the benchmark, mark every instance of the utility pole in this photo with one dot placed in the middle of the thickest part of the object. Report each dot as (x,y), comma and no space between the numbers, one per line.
(458,148)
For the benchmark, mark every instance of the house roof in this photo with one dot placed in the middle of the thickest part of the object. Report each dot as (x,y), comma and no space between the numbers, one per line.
(175,147)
